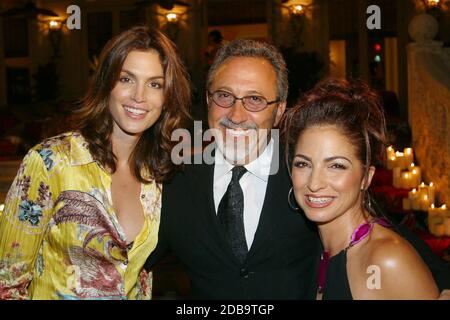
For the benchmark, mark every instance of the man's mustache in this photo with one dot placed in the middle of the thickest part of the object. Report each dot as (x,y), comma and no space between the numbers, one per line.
(244,126)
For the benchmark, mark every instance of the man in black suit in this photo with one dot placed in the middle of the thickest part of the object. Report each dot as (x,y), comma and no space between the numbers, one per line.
(229,222)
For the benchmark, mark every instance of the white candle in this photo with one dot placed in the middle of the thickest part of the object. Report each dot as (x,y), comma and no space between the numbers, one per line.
(416,174)
(390,152)
(431,192)
(423,190)
(444,213)
(396,177)
(406,180)
(424,203)
(436,216)
(431,219)
(447,226)
(400,160)
(439,230)
(414,199)
(392,162)
(409,156)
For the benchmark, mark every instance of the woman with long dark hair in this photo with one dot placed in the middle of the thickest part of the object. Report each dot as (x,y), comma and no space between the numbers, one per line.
(83,212)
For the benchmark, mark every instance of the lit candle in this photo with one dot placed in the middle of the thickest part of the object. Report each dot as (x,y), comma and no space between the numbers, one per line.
(444,213)
(396,177)
(423,190)
(405,180)
(409,156)
(400,159)
(424,203)
(414,199)
(447,226)
(431,192)
(439,230)
(390,152)
(392,162)
(433,218)
(416,174)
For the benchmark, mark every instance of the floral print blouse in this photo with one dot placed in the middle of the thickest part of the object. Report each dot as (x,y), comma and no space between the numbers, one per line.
(59,235)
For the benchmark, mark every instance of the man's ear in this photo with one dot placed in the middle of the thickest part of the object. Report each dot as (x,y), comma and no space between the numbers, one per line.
(207,99)
(279,112)
(370,174)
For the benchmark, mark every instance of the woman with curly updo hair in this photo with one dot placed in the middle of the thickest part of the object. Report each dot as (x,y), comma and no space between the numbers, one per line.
(334,136)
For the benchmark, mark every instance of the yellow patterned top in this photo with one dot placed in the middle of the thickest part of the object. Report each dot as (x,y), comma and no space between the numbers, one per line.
(59,235)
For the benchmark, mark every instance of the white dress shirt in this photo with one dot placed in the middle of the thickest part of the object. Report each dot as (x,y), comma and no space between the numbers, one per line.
(253,184)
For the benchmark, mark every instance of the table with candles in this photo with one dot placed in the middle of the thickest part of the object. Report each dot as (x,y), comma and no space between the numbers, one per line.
(412,201)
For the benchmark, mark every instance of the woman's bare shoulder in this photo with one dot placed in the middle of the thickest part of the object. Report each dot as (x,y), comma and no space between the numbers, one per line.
(401,270)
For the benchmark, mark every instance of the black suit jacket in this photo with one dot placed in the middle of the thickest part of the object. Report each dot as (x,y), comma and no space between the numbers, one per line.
(283,259)
(280,261)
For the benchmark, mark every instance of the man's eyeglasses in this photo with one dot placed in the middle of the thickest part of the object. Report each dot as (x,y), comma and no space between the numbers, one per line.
(253,103)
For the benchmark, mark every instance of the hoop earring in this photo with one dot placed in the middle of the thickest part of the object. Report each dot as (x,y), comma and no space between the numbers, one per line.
(366,199)
(289,200)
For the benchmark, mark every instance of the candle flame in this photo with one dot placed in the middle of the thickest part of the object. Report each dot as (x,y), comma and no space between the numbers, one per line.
(408,150)
(414,171)
(444,207)
(390,148)
(414,190)
(422,184)
(412,164)
(393,158)
(432,205)
(425,197)
(431,184)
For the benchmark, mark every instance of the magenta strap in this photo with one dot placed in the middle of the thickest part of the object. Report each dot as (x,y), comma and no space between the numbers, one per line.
(360,233)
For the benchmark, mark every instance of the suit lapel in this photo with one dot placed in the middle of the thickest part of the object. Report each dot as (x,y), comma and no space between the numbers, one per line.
(215,230)
(275,201)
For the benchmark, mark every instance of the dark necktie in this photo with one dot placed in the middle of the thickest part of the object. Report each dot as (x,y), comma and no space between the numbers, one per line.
(231,214)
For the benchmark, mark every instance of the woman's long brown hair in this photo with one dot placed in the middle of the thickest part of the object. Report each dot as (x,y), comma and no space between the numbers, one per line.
(93,120)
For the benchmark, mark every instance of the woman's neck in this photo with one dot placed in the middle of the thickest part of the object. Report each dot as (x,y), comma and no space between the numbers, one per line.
(336,234)
(123,146)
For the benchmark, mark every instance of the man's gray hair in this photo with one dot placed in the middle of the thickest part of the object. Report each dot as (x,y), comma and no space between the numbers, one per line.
(253,49)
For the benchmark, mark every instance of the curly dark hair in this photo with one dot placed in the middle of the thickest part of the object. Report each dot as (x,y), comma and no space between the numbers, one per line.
(94,121)
(353,108)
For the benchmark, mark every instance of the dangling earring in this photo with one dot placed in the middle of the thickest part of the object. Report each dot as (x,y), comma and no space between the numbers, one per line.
(289,200)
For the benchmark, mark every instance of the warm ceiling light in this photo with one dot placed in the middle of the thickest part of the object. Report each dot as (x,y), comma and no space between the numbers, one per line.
(433,3)
(54,25)
(172,17)
(297,9)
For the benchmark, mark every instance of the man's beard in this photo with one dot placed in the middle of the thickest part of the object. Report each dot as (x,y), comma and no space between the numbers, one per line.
(239,150)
